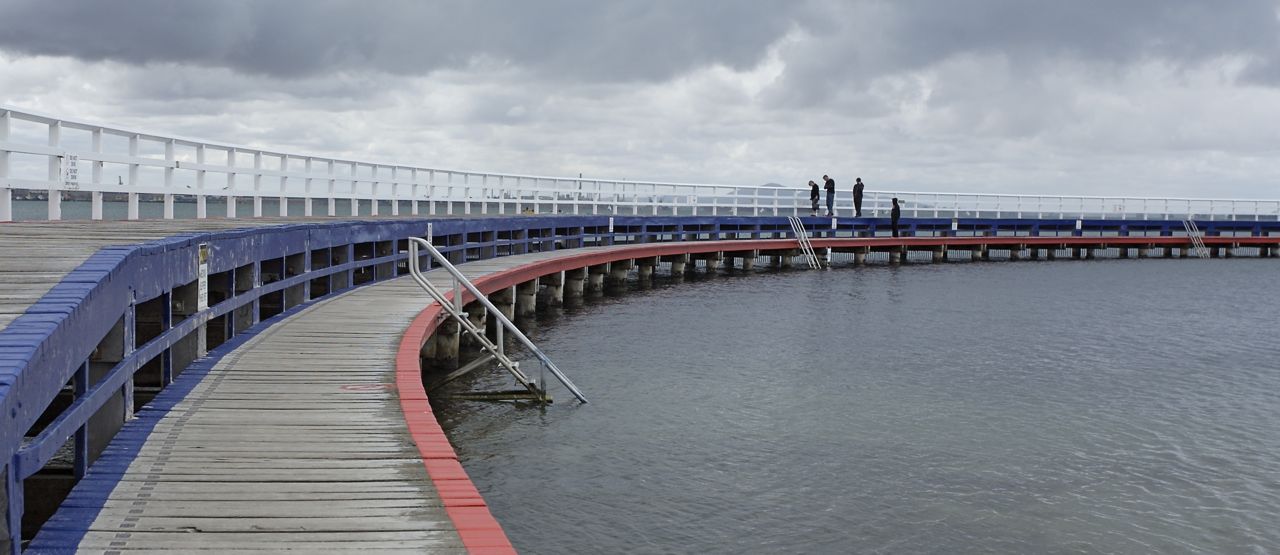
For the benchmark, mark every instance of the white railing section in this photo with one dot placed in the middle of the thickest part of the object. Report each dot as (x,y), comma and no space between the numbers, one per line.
(496,348)
(41,157)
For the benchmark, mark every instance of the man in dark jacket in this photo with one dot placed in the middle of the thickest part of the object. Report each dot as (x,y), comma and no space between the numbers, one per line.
(894,216)
(831,194)
(814,196)
(857,199)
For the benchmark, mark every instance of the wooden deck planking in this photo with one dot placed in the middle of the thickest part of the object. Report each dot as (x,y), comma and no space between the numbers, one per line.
(270,443)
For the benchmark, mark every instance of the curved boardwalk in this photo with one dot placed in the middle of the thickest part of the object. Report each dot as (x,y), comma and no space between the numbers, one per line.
(293,440)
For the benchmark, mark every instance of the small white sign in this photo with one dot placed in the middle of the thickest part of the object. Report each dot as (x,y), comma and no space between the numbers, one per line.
(71,171)
(202,278)
(429,231)
(610,224)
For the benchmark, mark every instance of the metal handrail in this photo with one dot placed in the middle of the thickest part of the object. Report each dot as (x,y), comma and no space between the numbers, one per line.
(806,247)
(416,271)
(1197,241)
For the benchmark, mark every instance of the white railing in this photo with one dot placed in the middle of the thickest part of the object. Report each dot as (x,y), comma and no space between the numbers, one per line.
(41,156)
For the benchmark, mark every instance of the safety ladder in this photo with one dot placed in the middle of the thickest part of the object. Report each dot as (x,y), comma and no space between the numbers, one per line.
(1197,238)
(802,237)
(536,389)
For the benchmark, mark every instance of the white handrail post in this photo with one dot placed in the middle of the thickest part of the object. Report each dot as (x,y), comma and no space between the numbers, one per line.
(95,198)
(257,184)
(395,190)
(202,205)
(355,185)
(231,184)
(133,177)
(413,191)
(169,158)
(6,192)
(306,189)
(55,172)
(283,209)
(333,185)
(373,190)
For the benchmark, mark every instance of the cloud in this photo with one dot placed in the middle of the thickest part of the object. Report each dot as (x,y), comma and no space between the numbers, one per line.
(619,41)
(1146,97)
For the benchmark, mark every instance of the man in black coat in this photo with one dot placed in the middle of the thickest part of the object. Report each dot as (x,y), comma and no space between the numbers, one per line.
(813,197)
(831,194)
(894,216)
(857,199)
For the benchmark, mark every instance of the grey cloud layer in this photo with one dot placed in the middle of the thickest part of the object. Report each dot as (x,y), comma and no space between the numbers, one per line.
(621,41)
(589,40)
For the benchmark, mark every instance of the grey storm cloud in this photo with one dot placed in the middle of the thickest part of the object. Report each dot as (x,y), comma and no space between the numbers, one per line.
(621,41)
(586,40)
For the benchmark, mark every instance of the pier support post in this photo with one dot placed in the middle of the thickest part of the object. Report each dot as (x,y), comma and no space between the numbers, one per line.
(1168,252)
(1215,252)
(1033,254)
(711,261)
(1015,253)
(618,271)
(553,287)
(938,255)
(1051,253)
(1184,251)
(1229,252)
(505,300)
(447,344)
(527,298)
(595,277)
(574,283)
(1275,251)
(984,252)
(477,314)
(749,262)
(1144,252)
(678,263)
(1124,252)
(860,257)
(1076,253)
(645,266)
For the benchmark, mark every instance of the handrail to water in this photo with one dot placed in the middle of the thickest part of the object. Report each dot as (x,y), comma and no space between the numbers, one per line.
(281,175)
(461,280)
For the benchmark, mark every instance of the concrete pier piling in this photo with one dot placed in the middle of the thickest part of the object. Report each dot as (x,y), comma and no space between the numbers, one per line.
(678,263)
(645,267)
(575,282)
(478,316)
(618,271)
(505,300)
(860,256)
(527,298)
(447,344)
(553,288)
(595,277)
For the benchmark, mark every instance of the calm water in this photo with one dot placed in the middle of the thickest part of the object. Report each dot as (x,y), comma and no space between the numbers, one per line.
(1032,407)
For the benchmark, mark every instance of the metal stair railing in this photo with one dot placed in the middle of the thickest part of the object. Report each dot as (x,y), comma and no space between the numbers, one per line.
(806,247)
(1197,238)
(495,349)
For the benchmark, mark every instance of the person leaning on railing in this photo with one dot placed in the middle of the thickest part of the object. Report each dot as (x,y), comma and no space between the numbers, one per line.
(814,197)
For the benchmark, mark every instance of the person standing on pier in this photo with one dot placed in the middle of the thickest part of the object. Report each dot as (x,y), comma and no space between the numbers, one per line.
(814,196)
(894,216)
(831,194)
(857,198)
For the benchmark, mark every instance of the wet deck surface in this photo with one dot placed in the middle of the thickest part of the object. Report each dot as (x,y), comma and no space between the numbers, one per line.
(294,440)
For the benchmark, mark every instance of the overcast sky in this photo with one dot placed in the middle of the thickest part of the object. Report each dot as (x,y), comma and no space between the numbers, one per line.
(1105,97)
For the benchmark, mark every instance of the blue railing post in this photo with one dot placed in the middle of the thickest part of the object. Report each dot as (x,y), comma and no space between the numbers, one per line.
(13,518)
(80,386)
